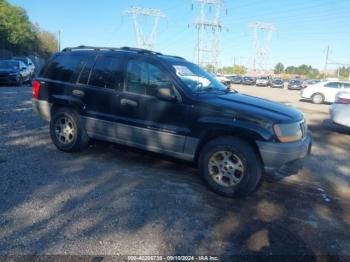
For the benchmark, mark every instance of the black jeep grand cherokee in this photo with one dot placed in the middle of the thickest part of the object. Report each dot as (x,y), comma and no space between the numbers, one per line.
(168,105)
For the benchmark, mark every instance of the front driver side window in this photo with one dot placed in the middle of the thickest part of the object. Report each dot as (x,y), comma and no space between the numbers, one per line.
(145,78)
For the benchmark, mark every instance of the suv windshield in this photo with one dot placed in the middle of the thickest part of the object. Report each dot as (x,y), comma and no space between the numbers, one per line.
(196,79)
(8,65)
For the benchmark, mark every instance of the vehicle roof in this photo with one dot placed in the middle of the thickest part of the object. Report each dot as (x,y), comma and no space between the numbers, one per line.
(123,50)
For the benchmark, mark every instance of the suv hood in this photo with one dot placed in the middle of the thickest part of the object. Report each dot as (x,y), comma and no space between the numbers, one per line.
(243,105)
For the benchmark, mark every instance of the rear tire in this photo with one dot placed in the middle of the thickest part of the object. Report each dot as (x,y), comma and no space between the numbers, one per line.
(230,167)
(67,132)
(317,98)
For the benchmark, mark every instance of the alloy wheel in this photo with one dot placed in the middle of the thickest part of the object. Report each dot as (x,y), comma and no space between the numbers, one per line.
(64,130)
(226,168)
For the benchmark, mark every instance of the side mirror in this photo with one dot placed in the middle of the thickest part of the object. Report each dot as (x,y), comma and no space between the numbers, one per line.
(166,93)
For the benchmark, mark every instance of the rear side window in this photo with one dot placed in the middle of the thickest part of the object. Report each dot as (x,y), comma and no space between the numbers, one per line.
(62,67)
(347,86)
(107,72)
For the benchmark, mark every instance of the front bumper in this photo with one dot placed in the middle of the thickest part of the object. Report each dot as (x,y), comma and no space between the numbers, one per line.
(42,108)
(275,155)
(277,86)
(294,87)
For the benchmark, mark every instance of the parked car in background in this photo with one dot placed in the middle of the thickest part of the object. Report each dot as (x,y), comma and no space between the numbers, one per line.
(13,72)
(247,80)
(224,80)
(151,101)
(307,83)
(236,80)
(340,110)
(28,62)
(324,91)
(277,83)
(295,84)
(262,81)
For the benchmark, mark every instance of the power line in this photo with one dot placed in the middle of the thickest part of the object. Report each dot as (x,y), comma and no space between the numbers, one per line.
(141,41)
(262,36)
(207,51)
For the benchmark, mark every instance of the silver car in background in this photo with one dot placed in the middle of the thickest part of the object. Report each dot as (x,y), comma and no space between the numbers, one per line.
(340,110)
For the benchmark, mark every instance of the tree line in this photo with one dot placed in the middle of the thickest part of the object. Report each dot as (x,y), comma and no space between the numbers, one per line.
(22,37)
(308,71)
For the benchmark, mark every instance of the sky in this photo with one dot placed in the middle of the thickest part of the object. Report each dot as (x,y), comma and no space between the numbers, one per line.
(304,29)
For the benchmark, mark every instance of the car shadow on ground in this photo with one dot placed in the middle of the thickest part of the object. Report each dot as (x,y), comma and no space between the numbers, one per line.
(112,199)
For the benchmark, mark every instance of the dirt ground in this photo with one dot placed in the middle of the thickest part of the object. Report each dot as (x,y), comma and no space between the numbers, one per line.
(113,200)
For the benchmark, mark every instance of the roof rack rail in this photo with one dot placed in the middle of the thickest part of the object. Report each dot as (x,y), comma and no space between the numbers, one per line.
(140,50)
(83,47)
(124,48)
(174,56)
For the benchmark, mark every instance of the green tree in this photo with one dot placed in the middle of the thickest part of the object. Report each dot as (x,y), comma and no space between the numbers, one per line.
(20,36)
(209,68)
(279,68)
(17,33)
(47,43)
(305,70)
(236,69)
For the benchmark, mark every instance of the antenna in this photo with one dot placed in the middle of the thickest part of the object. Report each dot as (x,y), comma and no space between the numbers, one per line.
(262,36)
(141,41)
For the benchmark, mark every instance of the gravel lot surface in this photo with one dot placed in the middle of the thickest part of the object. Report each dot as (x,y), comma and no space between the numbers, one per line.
(110,200)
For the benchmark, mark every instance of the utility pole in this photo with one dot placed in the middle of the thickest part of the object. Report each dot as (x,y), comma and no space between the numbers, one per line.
(207,51)
(262,36)
(141,41)
(326,63)
(59,40)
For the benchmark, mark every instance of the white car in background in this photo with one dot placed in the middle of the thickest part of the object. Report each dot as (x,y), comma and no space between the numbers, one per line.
(324,91)
(262,81)
(340,110)
(224,80)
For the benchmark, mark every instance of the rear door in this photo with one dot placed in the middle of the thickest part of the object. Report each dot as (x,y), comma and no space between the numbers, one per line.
(346,87)
(330,90)
(99,85)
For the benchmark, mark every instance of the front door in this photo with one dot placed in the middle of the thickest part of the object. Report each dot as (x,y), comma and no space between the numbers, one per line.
(156,124)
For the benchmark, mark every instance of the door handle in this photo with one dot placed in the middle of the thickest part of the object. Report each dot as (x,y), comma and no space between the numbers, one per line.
(128,102)
(77,92)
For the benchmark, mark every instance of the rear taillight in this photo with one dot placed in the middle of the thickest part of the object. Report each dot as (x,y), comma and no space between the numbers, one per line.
(36,89)
(342,100)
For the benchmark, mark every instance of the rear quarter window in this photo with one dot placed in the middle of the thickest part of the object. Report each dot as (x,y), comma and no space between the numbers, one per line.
(62,67)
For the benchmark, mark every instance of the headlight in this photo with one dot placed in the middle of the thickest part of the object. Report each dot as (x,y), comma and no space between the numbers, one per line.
(288,132)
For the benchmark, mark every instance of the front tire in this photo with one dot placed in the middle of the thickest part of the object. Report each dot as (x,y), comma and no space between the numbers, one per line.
(230,167)
(67,132)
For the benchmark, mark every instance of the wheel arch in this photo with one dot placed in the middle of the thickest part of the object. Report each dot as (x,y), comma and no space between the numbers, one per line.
(62,102)
(214,133)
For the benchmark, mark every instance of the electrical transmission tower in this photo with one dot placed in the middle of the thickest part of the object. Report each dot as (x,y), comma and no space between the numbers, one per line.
(262,35)
(207,48)
(141,40)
